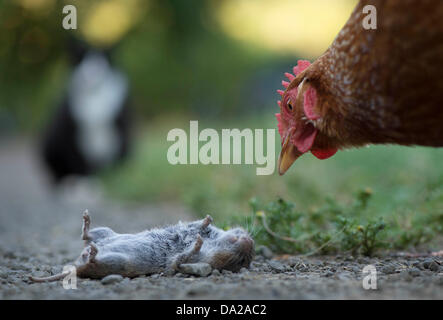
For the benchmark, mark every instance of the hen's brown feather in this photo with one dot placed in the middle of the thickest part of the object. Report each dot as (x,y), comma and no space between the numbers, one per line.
(383,85)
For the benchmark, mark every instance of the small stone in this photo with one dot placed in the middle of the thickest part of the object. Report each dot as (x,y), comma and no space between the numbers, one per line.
(260,258)
(427,263)
(342,277)
(226,272)
(388,269)
(265,252)
(15,266)
(356,269)
(55,270)
(292,262)
(276,266)
(169,273)
(302,268)
(415,272)
(88,282)
(112,278)
(46,268)
(199,269)
(3,273)
(288,268)
(244,270)
(433,266)
(418,265)
(362,260)
(9,254)
(215,272)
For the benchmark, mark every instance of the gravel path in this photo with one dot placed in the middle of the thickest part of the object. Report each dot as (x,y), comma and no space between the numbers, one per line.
(40,233)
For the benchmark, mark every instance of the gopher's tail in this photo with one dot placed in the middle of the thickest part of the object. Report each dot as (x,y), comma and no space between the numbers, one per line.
(51,278)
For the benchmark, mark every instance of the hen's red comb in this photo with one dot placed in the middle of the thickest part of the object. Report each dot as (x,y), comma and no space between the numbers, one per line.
(300,67)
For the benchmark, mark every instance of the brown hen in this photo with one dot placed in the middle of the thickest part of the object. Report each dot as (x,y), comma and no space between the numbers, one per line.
(371,86)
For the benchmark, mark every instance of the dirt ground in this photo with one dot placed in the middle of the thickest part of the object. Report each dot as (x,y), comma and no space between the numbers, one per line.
(40,233)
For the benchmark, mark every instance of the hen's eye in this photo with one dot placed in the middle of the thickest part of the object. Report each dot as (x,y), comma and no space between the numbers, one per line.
(289,104)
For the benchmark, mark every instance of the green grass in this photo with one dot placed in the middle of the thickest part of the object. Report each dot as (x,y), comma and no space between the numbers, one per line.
(337,228)
(327,204)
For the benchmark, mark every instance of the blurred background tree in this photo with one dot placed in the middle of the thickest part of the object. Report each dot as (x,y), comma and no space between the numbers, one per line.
(205,57)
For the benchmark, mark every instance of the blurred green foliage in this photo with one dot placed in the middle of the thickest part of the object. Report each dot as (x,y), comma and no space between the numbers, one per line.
(334,228)
(29,49)
(329,229)
(176,58)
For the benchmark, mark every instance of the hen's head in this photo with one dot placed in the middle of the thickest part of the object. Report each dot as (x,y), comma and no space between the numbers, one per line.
(298,121)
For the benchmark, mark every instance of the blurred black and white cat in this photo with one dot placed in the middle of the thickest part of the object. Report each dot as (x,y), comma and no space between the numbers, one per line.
(90,129)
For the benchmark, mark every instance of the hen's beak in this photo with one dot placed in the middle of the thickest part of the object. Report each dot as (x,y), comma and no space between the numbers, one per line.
(288,154)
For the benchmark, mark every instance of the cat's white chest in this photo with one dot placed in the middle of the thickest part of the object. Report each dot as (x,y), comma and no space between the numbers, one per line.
(96,95)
